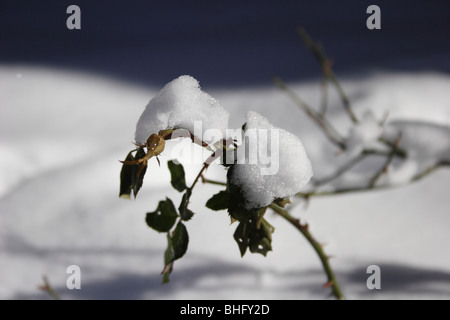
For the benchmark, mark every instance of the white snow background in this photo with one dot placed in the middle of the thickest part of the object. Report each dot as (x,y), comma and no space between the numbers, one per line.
(62,134)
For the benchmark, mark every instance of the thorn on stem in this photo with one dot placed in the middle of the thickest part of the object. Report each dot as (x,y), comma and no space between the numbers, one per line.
(43,287)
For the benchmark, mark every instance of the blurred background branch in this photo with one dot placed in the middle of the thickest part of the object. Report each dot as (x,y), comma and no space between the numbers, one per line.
(389,150)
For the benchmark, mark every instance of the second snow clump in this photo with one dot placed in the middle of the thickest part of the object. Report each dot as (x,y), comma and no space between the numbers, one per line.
(288,172)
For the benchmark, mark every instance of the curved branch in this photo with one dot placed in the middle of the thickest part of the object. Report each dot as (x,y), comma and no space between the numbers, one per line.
(417,177)
(325,63)
(328,129)
(324,259)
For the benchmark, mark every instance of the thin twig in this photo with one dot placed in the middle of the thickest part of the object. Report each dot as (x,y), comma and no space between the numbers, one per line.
(329,131)
(345,101)
(388,161)
(206,164)
(309,194)
(215,155)
(220,183)
(303,228)
(324,101)
(341,170)
(352,162)
(49,289)
(324,62)
(335,192)
(430,170)
(397,152)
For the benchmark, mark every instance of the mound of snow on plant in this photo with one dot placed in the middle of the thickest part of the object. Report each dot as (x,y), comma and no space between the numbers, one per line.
(182,104)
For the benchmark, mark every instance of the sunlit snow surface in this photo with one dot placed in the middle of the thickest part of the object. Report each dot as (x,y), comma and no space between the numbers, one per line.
(62,134)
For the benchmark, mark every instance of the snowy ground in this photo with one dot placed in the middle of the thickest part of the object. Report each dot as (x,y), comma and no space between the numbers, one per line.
(61,134)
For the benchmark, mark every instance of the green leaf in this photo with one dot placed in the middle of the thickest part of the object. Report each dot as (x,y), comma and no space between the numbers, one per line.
(260,239)
(260,245)
(236,203)
(138,180)
(253,231)
(176,247)
(185,213)
(129,179)
(126,178)
(180,240)
(168,260)
(219,201)
(164,217)
(178,180)
(241,237)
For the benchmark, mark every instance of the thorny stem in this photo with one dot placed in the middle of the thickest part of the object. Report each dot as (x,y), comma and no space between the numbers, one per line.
(334,136)
(183,133)
(332,281)
(324,259)
(205,166)
(303,228)
(207,162)
(211,158)
(49,289)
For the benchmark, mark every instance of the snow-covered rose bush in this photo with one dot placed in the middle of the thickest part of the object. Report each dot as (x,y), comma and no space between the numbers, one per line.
(266,165)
